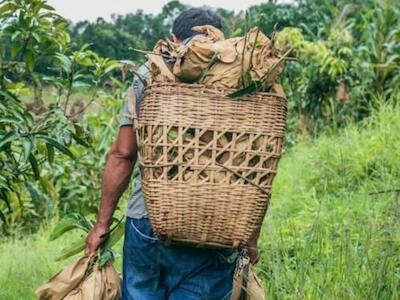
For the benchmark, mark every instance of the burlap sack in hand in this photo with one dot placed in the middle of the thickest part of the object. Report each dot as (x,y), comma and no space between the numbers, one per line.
(82,280)
(246,284)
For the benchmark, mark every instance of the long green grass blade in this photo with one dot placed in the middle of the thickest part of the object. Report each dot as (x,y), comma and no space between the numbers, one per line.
(74,248)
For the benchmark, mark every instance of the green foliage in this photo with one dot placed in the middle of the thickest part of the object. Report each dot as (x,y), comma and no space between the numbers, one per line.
(343,68)
(78,221)
(68,223)
(30,32)
(40,141)
(329,233)
(52,152)
(325,236)
(75,247)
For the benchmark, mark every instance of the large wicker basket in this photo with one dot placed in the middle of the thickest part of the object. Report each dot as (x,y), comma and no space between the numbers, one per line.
(208,161)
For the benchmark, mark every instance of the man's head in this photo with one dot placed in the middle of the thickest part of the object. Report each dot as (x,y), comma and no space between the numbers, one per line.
(183,24)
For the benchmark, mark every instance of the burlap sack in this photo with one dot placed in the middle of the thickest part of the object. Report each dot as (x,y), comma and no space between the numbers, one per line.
(195,57)
(166,47)
(209,58)
(82,281)
(159,70)
(246,284)
(64,281)
(254,55)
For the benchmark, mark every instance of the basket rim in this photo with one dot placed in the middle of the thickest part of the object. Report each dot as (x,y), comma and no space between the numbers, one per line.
(211,88)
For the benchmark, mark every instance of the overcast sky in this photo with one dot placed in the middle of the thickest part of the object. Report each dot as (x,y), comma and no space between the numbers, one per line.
(77,10)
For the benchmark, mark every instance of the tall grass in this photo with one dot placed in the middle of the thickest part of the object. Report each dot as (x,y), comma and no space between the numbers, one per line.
(329,234)
(326,235)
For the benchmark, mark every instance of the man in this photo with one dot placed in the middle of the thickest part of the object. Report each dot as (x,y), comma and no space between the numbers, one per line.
(152,270)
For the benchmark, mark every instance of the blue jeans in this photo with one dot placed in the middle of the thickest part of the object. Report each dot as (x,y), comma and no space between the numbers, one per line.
(152,270)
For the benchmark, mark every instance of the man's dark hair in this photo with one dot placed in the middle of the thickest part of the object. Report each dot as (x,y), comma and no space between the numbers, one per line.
(183,24)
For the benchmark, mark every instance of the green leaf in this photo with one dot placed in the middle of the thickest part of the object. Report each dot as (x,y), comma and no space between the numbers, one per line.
(105,256)
(136,172)
(84,222)
(79,140)
(36,37)
(15,46)
(8,7)
(237,32)
(84,47)
(50,153)
(65,225)
(247,79)
(115,236)
(74,248)
(3,217)
(32,192)
(12,135)
(80,85)
(30,58)
(27,146)
(251,89)
(15,35)
(35,166)
(112,67)
(56,145)
(4,185)
(85,61)
(65,62)
(5,198)
(9,120)
(172,135)
(48,7)
(9,95)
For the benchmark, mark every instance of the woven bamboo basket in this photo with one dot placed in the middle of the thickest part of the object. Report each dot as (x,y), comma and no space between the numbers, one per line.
(208,162)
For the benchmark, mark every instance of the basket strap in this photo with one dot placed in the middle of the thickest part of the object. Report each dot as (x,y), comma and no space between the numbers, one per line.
(134,116)
(132,107)
(203,239)
(236,244)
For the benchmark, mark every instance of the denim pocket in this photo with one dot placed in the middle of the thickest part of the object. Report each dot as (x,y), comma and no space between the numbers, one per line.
(141,250)
(143,230)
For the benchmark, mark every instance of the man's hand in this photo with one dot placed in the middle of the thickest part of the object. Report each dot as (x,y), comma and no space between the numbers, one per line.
(95,239)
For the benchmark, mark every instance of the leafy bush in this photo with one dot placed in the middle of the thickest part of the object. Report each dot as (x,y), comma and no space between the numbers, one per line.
(345,67)
(42,145)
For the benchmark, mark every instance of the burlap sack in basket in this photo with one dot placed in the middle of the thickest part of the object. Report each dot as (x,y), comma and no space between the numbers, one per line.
(75,282)
(211,59)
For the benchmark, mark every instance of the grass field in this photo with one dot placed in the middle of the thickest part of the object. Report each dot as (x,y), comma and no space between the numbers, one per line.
(328,234)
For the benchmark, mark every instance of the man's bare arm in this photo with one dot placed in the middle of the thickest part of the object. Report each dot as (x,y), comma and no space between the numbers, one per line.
(116,177)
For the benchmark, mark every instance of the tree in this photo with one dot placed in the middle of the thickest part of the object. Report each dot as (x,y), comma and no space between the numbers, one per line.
(30,139)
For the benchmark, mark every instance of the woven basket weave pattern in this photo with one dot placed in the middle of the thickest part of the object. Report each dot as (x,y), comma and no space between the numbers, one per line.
(208,162)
